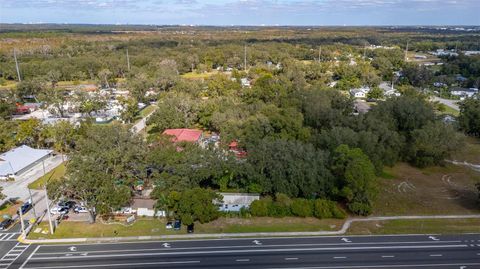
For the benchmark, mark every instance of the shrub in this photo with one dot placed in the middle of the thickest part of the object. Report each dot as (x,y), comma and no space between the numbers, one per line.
(260,208)
(327,209)
(302,208)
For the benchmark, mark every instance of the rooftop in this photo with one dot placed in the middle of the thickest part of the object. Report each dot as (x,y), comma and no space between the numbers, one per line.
(17,159)
(179,135)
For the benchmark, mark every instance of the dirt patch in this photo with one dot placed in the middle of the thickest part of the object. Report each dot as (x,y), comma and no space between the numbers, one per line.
(438,190)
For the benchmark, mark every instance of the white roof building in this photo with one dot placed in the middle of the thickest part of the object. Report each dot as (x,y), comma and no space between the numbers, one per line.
(360,92)
(20,159)
(233,202)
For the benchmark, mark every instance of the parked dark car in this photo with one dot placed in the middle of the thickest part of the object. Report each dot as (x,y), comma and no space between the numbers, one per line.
(68,204)
(190,228)
(25,208)
(177,225)
(5,224)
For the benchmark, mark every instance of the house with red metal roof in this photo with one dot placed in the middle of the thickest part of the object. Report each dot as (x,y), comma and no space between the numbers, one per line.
(188,135)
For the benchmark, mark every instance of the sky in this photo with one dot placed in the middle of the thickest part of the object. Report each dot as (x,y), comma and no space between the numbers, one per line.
(243,12)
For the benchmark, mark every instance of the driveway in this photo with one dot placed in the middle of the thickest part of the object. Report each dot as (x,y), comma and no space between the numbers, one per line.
(451,103)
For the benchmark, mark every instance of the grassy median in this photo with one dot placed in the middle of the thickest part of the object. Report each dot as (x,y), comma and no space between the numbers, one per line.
(57,173)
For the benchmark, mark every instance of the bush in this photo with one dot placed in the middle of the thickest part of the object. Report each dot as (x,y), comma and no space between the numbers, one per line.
(302,208)
(360,208)
(260,208)
(327,209)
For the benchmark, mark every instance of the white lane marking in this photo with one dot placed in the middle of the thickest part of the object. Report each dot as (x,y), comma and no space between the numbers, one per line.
(3,236)
(242,260)
(250,238)
(388,256)
(433,238)
(10,257)
(248,251)
(436,255)
(381,266)
(340,257)
(291,259)
(230,247)
(113,265)
(29,257)
(10,237)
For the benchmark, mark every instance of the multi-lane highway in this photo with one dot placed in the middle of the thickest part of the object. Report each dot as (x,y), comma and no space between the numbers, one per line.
(411,251)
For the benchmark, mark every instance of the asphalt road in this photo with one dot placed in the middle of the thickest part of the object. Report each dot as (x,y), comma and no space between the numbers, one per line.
(411,251)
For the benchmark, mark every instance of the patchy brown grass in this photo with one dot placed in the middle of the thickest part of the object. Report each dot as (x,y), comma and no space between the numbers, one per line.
(441,226)
(470,152)
(268,224)
(431,191)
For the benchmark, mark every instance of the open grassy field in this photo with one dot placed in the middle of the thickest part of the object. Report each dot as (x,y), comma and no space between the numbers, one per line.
(432,191)
(55,174)
(431,226)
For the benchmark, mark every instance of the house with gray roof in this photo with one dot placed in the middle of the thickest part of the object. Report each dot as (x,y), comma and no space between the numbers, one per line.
(21,159)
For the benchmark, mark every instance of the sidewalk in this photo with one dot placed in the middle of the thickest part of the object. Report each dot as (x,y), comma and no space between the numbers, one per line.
(342,231)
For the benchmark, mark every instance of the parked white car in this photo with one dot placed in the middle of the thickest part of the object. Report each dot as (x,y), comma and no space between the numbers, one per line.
(59,210)
(80,209)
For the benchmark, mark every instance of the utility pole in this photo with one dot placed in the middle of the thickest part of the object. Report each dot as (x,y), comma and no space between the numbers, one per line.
(22,224)
(365,51)
(33,204)
(48,210)
(245,58)
(406,51)
(16,64)
(320,54)
(128,61)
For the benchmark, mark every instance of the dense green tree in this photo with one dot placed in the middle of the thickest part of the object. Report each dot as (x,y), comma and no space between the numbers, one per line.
(433,143)
(405,113)
(356,176)
(196,204)
(103,167)
(469,118)
(290,167)
(375,93)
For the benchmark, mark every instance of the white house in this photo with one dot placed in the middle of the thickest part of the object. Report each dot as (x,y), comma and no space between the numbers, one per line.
(463,92)
(20,159)
(233,202)
(360,92)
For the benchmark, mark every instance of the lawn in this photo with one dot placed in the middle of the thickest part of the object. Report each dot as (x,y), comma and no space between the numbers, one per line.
(451,111)
(146,227)
(430,226)
(147,110)
(195,75)
(55,174)
(9,209)
(406,190)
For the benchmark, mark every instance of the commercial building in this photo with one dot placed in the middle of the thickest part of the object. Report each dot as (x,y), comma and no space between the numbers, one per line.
(21,159)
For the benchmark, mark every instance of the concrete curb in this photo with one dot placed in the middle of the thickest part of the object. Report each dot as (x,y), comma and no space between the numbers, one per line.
(346,225)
